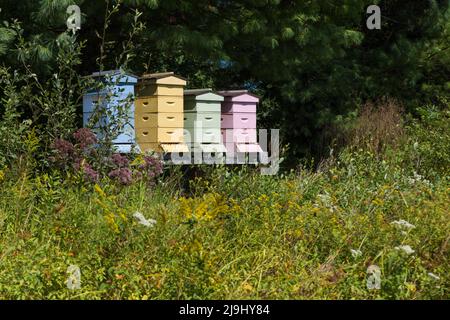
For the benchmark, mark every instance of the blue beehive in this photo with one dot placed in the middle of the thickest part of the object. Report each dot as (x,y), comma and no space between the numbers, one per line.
(116,93)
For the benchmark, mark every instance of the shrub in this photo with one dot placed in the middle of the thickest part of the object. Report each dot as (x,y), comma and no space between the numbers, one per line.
(13,130)
(427,151)
(378,127)
(304,235)
(81,156)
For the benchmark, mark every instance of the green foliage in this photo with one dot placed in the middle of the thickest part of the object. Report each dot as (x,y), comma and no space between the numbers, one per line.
(428,149)
(49,107)
(50,104)
(315,60)
(300,235)
(13,130)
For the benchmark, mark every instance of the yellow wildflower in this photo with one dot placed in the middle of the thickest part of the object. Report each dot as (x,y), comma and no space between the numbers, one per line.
(99,190)
(315,209)
(277,206)
(411,287)
(247,287)
(208,207)
(378,201)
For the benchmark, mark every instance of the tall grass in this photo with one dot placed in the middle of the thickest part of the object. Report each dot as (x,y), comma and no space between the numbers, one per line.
(238,235)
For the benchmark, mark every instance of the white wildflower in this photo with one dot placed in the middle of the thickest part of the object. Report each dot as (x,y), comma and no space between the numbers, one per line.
(355,253)
(374,277)
(432,275)
(403,224)
(74,279)
(407,249)
(325,199)
(417,178)
(142,220)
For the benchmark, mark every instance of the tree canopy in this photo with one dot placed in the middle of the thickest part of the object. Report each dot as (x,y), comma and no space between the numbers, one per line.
(313,62)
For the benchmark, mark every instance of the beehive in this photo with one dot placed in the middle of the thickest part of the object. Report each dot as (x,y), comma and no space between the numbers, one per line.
(159,112)
(106,103)
(202,110)
(238,121)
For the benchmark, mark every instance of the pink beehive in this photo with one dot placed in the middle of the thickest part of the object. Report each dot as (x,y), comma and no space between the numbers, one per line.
(238,121)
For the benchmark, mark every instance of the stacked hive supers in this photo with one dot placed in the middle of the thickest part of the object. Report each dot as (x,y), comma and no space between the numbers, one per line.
(159,113)
(108,102)
(202,111)
(164,116)
(238,122)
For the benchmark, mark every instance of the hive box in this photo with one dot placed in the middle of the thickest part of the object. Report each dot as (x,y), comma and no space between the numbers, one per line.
(102,105)
(238,122)
(202,111)
(159,113)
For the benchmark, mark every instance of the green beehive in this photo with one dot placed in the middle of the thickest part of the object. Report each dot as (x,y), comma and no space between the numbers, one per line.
(202,112)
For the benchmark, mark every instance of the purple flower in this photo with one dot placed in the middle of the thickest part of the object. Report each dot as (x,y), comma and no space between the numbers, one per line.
(63,148)
(119,160)
(159,168)
(90,173)
(150,161)
(151,168)
(154,164)
(77,164)
(138,175)
(124,175)
(85,137)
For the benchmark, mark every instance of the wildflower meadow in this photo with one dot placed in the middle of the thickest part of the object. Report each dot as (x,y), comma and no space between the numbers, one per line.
(231,233)
(357,208)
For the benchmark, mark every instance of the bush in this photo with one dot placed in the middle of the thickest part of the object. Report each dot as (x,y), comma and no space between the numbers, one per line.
(428,149)
(304,235)
(67,202)
(378,127)
(13,130)
(82,156)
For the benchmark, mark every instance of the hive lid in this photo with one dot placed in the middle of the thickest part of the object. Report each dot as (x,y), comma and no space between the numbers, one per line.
(232,93)
(249,147)
(202,95)
(116,76)
(168,78)
(174,147)
(196,92)
(239,95)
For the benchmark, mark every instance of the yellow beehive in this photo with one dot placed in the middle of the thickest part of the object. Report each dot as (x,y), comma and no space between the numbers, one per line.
(160,120)
(159,135)
(159,112)
(146,104)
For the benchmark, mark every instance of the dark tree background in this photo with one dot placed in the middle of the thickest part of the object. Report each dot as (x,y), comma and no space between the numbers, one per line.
(313,62)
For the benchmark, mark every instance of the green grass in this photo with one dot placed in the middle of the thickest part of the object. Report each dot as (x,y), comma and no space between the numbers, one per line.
(240,236)
(236,234)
